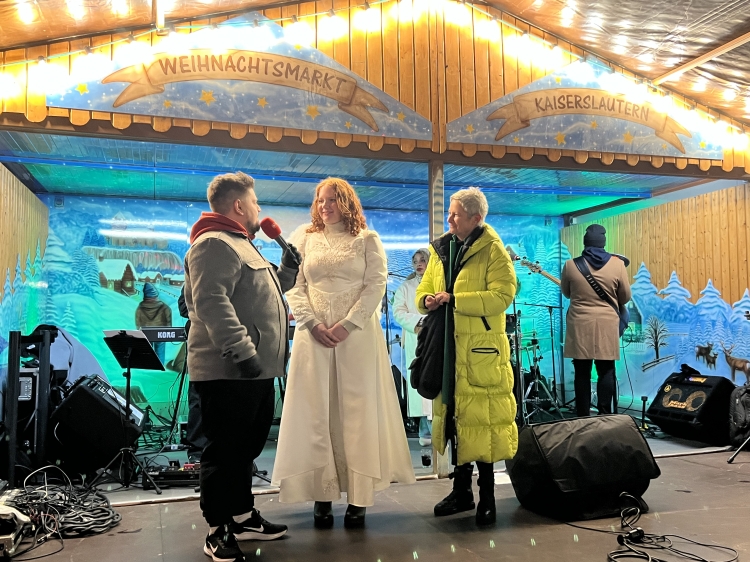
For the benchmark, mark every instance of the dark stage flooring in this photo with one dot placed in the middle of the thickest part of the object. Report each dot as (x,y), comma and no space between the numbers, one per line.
(698,496)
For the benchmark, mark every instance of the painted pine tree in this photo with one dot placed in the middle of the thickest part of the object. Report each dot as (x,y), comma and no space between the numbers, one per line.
(69,320)
(51,315)
(6,308)
(676,306)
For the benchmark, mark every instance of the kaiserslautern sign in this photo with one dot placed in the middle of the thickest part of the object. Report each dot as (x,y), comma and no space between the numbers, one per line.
(584,107)
(243,79)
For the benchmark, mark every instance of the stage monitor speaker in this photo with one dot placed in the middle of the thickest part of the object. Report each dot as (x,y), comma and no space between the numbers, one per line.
(693,406)
(89,425)
(578,468)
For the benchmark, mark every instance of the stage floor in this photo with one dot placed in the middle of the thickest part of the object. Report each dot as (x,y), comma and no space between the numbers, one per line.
(697,496)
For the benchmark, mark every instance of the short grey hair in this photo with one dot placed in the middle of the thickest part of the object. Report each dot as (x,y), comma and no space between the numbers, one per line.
(473,201)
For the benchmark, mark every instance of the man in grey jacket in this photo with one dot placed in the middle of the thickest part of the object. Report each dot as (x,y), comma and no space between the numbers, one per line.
(238,343)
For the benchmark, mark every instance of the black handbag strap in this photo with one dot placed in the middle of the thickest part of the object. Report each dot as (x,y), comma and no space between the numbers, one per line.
(583,267)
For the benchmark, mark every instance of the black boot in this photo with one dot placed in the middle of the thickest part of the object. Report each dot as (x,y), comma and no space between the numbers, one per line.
(354,517)
(486,509)
(461,498)
(323,515)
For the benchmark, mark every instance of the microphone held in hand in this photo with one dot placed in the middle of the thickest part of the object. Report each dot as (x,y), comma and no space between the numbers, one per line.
(273,231)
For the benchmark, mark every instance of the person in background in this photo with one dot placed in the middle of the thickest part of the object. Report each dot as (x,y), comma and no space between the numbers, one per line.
(410,319)
(470,274)
(153,312)
(592,334)
(341,428)
(238,343)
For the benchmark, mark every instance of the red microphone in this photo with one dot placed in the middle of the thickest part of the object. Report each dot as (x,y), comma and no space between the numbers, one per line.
(273,231)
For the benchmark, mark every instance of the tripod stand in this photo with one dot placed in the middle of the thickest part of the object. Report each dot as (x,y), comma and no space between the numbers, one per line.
(131,349)
(535,386)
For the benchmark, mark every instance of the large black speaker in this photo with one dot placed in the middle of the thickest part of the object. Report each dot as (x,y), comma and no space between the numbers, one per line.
(693,406)
(578,468)
(89,425)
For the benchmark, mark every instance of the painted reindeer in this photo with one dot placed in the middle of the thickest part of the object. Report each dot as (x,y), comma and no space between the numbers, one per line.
(737,363)
(711,360)
(703,351)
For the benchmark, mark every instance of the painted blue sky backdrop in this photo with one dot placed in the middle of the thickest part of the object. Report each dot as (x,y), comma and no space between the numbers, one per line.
(578,132)
(253,103)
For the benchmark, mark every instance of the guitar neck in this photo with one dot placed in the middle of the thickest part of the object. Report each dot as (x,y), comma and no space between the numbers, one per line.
(555,280)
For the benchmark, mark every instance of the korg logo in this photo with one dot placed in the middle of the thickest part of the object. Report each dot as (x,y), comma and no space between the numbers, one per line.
(166,334)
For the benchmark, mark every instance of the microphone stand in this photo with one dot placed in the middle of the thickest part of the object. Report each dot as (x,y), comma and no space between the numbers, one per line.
(550,308)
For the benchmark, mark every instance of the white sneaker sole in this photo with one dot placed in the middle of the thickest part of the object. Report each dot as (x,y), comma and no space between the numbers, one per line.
(251,536)
(207,552)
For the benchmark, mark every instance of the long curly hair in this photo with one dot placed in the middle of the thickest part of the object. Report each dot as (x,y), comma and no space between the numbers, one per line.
(348,204)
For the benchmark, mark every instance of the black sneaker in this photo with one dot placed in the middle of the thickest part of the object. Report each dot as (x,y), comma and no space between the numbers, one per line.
(255,528)
(222,546)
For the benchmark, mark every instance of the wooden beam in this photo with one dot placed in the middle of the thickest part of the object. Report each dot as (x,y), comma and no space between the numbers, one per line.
(726,47)
(679,187)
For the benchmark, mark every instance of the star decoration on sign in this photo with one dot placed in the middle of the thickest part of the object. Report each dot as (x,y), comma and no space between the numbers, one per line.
(469,128)
(516,139)
(703,144)
(312,111)
(560,138)
(207,96)
(262,102)
(82,89)
(167,103)
(594,124)
(628,137)
(348,124)
(664,146)
(558,79)
(401,116)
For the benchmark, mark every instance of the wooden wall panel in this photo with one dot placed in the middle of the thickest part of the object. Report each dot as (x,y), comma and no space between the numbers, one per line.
(24,221)
(701,238)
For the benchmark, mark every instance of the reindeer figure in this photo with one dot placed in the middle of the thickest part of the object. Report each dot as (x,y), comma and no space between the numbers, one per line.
(711,360)
(736,363)
(703,351)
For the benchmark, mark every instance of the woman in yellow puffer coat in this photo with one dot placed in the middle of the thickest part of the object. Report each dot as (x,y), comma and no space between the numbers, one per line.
(476,409)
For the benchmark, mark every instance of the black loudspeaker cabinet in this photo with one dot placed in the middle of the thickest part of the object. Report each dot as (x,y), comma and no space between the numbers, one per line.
(578,468)
(89,426)
(693,406)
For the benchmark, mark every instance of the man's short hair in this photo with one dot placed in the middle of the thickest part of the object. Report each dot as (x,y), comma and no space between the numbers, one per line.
(226,188)
(473,201)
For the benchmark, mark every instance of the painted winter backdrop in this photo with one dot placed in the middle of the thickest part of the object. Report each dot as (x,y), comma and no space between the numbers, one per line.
(101,251)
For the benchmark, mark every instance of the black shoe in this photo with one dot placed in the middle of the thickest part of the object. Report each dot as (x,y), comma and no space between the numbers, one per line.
(486,513)
(222,546)
(354,517)
(455,502)
(323,515)
(255,528)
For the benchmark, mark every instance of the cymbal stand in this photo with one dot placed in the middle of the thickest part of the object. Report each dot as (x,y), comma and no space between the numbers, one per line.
(536,387)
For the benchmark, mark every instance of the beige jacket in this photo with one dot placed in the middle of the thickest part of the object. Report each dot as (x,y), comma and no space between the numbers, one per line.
(592,330)
(236,309)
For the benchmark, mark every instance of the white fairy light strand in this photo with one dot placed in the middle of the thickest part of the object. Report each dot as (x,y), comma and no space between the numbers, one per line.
(367,5)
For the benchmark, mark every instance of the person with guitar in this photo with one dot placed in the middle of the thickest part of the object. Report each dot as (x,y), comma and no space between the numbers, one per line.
(598,288)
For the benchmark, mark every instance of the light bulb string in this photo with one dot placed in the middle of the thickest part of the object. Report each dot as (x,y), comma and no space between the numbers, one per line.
(592,59)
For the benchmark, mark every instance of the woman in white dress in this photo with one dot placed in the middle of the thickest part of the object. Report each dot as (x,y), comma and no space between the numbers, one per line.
(341,429)
(410,319)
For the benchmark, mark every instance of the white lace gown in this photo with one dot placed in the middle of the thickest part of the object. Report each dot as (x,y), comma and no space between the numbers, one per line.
(341,428)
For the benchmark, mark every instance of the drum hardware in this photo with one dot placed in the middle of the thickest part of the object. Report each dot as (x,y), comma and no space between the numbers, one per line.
(532,394)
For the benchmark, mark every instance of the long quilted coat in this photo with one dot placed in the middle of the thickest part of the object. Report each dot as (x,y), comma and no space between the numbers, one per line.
(485,408)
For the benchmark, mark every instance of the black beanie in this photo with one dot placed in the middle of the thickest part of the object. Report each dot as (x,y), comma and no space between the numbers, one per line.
(595,236)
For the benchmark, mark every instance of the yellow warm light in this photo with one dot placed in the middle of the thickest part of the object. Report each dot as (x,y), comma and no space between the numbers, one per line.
(367,20)
(409,10)
(120,7)
(457,14)
(729,94)
(489,30)
(75,9)
(9,88)
(47,78)
(26,12)
(90,67)
(740,141)
(557,58)
(332,28)
(130,54)
(299,33)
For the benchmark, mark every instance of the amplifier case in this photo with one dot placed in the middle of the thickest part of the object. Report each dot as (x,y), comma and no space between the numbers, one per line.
(693,406)
(89,426)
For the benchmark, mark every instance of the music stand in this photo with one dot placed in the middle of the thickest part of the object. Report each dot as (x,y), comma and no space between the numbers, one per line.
(132,350)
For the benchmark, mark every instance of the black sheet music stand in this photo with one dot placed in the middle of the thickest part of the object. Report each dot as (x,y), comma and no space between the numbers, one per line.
(131,352)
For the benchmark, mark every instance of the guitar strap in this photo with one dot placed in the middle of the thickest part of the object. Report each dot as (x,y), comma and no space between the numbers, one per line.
(583,267)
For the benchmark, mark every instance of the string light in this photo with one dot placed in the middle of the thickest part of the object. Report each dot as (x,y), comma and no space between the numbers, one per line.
(366,18)
(299,33)
(26,12)
(120,7)
(729,94)
(9,88)
(332,27)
